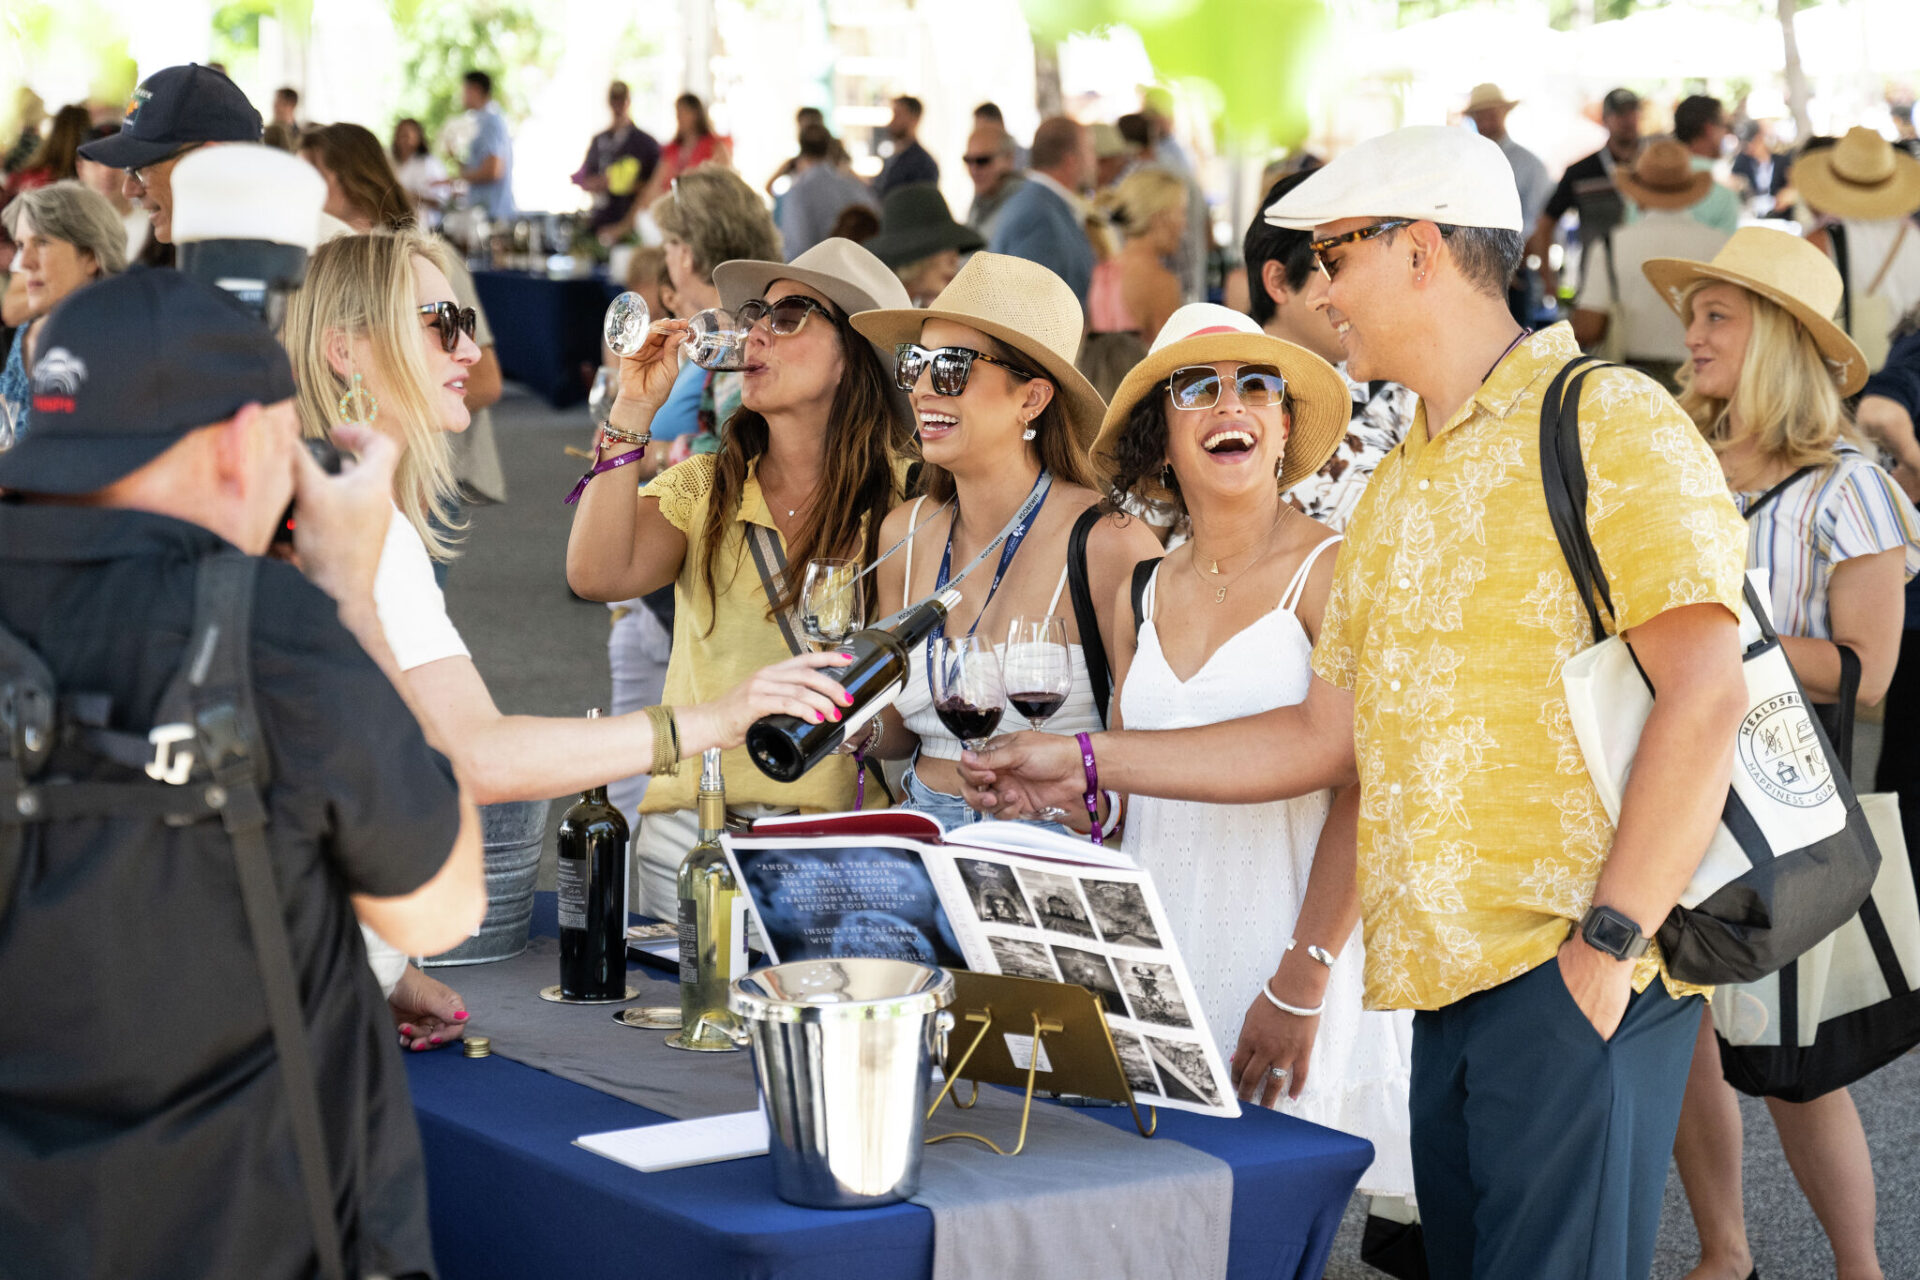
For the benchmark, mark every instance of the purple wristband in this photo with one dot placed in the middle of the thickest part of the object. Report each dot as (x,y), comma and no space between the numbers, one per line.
(1093,784)
(606,465)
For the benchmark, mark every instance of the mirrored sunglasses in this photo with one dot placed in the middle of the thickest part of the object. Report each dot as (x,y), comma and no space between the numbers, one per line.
(1259,386)
(785,317)
(451,320)
(951,367)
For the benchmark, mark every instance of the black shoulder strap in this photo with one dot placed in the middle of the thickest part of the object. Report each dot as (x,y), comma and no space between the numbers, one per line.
(1142,575)
(1563,474)
(1837,237)
(1836,717)
(1085,617)
(1761,501)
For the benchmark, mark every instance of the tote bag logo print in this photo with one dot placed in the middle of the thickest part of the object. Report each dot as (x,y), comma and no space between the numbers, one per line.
(1781,753)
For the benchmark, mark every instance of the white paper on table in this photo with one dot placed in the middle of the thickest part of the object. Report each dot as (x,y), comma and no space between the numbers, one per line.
(652,1148)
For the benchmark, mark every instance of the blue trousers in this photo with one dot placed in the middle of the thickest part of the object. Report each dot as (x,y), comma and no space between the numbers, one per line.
(1539,1150)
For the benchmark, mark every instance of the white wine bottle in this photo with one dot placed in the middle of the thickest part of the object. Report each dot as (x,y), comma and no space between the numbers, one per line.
(713,927)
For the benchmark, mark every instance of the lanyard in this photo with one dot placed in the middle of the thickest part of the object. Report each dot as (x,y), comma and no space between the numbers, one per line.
(1012,536)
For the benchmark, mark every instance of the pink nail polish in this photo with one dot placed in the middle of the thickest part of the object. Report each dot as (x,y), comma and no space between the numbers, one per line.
(836,713)
(418,1047)
(460,1015)
(816,717)
(847,698)
(434,1040)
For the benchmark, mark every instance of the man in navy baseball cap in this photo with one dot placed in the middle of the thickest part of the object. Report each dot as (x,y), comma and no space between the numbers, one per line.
(174,111)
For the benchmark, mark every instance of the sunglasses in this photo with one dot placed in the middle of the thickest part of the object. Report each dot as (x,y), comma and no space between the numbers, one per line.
(785,317)
(1197,386)
(979,162)
(951,366)
(452,321)
(1321,248)
(140,174)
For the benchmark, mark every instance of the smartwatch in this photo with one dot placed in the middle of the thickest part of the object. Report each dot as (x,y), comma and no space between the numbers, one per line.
(1606,930)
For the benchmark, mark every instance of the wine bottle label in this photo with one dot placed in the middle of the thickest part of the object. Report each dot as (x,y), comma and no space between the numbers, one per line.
(857,719)
(574,873)
(737,939)
(689,941)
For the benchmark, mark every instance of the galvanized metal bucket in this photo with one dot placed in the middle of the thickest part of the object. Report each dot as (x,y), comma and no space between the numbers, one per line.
(512,833)
(843,1049)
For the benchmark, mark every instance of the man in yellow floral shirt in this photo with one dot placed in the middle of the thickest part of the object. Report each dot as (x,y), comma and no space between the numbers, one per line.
(1496,897)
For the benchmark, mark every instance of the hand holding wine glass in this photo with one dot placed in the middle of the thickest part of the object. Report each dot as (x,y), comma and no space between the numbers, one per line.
(649,360)
(968,694)
(832,601)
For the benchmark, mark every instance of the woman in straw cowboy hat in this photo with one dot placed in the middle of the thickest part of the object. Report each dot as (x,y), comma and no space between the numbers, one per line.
(1765,382)
(1003,416)
(1226,622)
(810,464)
(1867,189)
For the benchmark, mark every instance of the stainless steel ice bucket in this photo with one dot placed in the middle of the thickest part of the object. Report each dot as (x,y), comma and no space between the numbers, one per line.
(843,1049)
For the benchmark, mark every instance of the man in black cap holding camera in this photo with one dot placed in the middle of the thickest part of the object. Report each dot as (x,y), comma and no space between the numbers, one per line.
(172,112)
(172,1102)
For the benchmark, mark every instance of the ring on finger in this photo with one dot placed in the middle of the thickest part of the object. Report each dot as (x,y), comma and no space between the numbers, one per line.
(1281,1073)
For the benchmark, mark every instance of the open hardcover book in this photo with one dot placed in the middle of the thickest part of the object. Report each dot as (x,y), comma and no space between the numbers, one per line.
(991,897)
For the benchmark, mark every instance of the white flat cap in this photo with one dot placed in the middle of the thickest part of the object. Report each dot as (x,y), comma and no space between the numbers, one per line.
(1428,172)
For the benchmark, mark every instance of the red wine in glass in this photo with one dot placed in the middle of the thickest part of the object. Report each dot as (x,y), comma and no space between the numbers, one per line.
(967,722)
(967,693)
(1038,706)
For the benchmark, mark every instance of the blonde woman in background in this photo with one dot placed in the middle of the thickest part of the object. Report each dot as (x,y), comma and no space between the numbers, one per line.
(1133,293)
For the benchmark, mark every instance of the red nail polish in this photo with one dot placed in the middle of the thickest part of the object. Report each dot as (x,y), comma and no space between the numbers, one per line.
(434,1040)
(418,1047)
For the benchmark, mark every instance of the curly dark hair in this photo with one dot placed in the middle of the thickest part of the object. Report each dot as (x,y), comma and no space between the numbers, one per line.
(1138,456)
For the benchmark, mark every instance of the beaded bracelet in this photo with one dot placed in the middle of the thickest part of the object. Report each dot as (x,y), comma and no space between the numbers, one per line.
(666,742)
(617,436)
(1266,989)
(1093,785)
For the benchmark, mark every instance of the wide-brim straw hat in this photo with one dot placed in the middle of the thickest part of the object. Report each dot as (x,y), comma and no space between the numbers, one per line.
(1013,301)
(1483,96)
(1663,177)
(1318,402)
(1861,176)
(915,223)
(1786,271)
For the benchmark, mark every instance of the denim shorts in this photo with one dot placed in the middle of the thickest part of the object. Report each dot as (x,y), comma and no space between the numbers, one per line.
(952,811)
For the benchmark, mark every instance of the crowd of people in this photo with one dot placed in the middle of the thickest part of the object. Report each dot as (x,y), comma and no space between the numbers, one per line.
(1293,540)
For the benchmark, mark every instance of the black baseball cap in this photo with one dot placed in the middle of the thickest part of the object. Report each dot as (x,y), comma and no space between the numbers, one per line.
(128,366)
(1619,101)
(172,108)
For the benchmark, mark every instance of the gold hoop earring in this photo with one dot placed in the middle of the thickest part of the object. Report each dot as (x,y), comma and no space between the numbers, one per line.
(358,405)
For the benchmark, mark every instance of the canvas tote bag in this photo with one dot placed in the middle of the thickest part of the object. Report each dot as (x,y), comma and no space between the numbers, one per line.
(1793,857)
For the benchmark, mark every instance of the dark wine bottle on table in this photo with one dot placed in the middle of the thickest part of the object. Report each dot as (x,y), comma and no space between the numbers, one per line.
(593,898)
(786,747)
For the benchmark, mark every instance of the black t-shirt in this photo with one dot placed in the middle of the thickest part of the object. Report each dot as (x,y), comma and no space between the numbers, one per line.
(143,1124)
(626,158)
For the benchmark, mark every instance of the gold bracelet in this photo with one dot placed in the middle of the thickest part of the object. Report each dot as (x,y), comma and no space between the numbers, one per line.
(666,742)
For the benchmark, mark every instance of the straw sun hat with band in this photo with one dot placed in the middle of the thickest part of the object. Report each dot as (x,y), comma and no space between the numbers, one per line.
(1786,271)
(1861,176)
(1013,301)
(1317,401)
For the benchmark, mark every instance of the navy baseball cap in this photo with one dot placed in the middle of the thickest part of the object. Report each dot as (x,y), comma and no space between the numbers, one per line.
(172,108)
(127,367)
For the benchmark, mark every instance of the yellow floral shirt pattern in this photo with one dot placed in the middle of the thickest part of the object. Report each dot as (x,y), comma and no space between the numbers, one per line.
(1452,612)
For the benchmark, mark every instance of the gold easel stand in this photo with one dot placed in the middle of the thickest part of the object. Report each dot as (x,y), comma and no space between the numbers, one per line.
(1069,1036)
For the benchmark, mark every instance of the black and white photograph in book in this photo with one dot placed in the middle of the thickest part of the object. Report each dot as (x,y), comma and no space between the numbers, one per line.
(1019,959)
(1153,992)
(1135,1062)
(996,898)
(1056,900)
(1089,969)
(1183,1071)
(1120,911)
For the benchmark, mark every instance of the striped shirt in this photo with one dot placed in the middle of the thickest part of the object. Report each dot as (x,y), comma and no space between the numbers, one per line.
(1848,508)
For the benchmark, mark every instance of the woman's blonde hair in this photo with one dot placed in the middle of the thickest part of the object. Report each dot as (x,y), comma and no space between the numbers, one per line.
(719,216)
(363,287)
(1143,195)
(1787,399)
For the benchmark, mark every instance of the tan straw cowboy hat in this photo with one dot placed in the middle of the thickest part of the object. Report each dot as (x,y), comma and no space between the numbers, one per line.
(1488,95)
(1861,176)
(1785,270)
(1013,301)
(1663,178)
(1317,401)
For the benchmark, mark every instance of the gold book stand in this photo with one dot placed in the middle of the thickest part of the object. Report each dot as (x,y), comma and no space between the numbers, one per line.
(1024,1028)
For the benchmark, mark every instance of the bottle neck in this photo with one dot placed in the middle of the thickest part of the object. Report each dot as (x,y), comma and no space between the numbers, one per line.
(595,795)
(712,810)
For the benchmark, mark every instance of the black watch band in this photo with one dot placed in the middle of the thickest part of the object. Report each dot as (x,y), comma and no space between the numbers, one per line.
(1608,931)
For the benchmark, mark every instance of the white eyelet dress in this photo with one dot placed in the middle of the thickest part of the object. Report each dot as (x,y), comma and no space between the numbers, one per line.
(1232,878)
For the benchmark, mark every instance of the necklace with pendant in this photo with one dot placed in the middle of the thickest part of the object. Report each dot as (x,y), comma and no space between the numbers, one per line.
(1213,563)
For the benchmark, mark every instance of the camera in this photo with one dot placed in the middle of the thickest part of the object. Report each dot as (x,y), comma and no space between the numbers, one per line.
(245,217)
(329,457)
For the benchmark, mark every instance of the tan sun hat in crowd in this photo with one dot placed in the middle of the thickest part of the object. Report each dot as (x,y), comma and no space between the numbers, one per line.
(1861,176)
(1201,333)
(1663,177)
(1013,301)
(1484,96)
(1785,270)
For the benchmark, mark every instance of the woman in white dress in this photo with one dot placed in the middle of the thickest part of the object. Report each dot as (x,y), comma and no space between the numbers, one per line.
(1262,896)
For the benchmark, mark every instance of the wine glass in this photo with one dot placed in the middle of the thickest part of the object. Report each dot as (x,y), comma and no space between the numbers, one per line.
(832,601)
(716,340)
(625,325)
(606,386)
(1037,667)
(968,694)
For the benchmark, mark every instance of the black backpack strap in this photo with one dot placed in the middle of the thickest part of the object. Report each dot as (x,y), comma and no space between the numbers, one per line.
(1837,237)
(1142,575)
(1760,502)
(1563,475)
(1099,674)
(216,681)
(27,726)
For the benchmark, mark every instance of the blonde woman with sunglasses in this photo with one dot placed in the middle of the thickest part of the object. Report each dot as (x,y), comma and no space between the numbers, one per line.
(376,336)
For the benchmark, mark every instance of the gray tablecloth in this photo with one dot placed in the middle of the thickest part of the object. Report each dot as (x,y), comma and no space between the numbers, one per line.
(1083,1201)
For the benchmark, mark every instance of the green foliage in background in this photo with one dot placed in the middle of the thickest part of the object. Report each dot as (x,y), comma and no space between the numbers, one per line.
(445,39)
(72,30)
(1254,57)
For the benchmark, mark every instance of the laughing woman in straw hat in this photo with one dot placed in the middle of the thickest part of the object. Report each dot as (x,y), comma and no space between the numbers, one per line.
(1004,417)
(810,463)
(1226,623)
(1765,382)
(1867,189)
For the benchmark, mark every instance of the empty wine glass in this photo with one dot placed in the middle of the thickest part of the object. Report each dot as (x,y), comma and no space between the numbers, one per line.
(1037,667)
(716,340)
(968,694)
(606,387)
(625,326)
(832,601)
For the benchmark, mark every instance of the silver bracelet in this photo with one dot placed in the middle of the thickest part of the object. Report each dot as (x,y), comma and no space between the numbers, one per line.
(1266,989)
(618,436)
(1319,953)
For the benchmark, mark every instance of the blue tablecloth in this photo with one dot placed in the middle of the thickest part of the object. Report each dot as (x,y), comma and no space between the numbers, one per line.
(511,1197)
(546,331)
